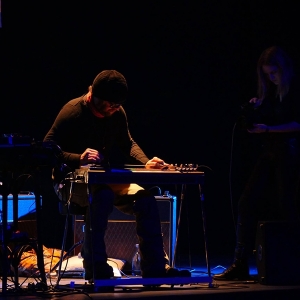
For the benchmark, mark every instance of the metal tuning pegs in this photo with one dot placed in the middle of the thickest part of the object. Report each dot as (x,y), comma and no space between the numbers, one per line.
(186,167)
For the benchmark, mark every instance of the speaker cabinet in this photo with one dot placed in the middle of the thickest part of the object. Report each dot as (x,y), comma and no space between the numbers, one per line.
(26,205)
(278,252)
(25,211)
(120,238)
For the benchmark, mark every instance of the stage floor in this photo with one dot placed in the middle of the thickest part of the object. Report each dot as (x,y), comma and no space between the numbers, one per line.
(202,286)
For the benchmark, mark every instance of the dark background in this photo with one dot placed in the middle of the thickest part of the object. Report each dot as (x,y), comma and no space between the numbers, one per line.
(189,67)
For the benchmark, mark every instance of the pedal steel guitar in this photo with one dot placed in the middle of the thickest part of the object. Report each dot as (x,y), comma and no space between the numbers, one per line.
(184,175)
(94,174)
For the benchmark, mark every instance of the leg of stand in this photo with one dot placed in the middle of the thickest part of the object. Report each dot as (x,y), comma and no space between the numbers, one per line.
(204,230)
(40,254)
(62,249)
(15,210)
(5,263)
(178,223)
(15,229)
(63,256)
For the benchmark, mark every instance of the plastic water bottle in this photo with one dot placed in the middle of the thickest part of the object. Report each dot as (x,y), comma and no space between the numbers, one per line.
(136,261)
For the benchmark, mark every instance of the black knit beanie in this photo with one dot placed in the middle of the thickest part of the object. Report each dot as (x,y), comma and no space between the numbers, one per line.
(110,85)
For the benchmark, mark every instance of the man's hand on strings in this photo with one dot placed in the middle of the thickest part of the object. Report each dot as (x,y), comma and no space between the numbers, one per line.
(156,163)
(90,156)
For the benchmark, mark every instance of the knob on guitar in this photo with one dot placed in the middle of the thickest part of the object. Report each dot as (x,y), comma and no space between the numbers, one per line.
(184,167)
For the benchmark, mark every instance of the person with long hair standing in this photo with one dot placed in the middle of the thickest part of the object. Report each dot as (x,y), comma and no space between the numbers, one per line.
(271,191)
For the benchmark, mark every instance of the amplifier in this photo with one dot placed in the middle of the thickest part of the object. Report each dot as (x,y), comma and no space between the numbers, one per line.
(277,252)
(26,207)
(121,235)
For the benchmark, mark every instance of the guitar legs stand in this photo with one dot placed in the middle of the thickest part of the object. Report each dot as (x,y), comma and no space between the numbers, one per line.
(152,282)
(203,214)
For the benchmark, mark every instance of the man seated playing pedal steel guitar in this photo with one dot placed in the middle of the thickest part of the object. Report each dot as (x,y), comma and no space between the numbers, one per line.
(89,129)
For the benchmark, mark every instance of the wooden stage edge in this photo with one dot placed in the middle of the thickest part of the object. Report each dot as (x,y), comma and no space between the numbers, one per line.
(196,287)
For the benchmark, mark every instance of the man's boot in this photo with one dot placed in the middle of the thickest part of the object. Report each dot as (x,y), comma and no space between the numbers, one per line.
(239,270)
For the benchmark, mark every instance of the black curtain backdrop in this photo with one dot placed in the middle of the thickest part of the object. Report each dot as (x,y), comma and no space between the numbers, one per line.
(189,67)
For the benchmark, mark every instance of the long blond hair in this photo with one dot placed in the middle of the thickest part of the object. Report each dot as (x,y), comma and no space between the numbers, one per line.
(274,56)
